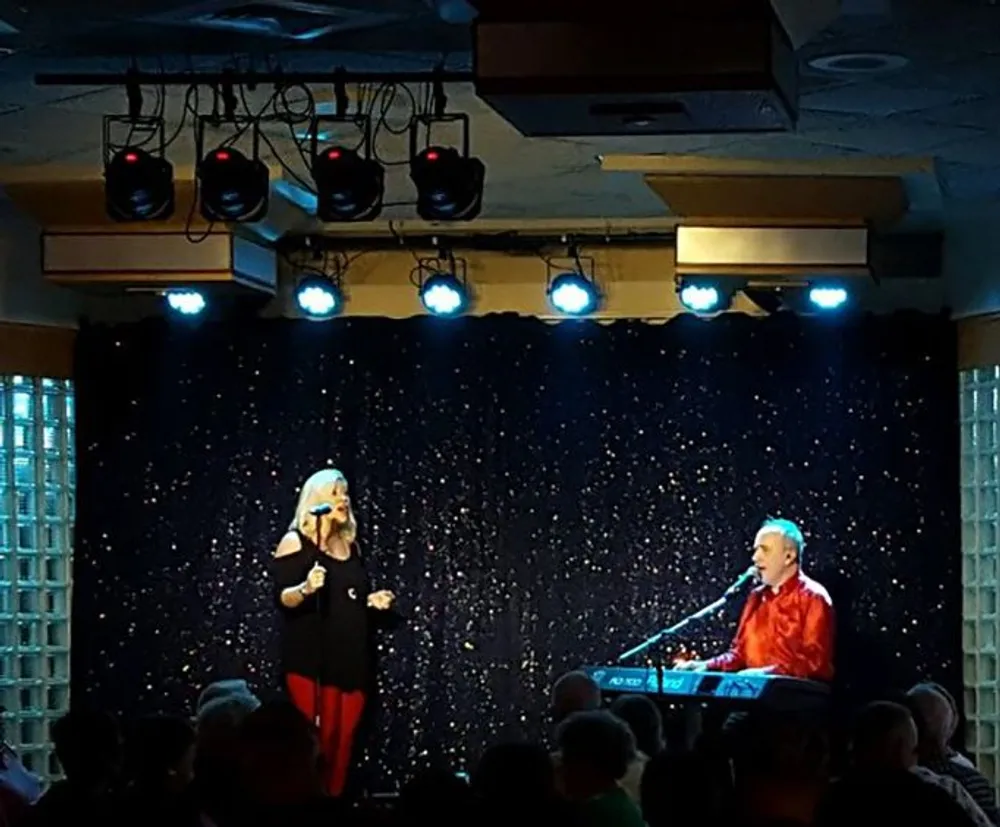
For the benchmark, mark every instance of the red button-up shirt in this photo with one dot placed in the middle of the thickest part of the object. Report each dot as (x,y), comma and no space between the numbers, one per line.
(789,629)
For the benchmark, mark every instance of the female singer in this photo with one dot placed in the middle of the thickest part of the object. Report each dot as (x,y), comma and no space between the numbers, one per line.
(325,601)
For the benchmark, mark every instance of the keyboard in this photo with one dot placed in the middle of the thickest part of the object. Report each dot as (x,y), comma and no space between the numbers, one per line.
(771,691)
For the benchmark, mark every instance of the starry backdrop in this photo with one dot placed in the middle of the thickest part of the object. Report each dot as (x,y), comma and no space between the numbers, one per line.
(539,496)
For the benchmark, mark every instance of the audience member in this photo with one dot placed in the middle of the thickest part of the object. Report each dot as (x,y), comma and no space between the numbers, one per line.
(953,724)
(574,692)
(644,719)
(885,742)
(160,767)
(19,788)
(780,768)
(227,689)
(515,783)
(282,768)
(933,717)
(89,750)
(217,764)
(596,749)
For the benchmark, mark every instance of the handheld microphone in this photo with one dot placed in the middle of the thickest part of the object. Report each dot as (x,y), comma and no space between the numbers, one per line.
(750,574)
(321,510)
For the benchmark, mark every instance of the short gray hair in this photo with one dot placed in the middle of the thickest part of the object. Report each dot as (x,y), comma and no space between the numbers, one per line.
(787,529)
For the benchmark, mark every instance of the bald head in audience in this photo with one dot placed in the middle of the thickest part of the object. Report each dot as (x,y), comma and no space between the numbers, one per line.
(884,738)
(933,716)
(574,692)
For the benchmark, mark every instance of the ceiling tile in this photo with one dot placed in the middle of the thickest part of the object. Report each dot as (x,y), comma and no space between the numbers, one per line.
(967,181)
(959,77)
(897,135)
(878,100)
(983,151)
(983,113)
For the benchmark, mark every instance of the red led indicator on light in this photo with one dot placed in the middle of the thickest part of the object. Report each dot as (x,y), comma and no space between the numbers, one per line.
(333,154)
(432,155)
(222,155)
(131,157)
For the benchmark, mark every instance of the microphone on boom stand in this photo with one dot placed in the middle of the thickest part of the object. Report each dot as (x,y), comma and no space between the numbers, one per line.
(751,573)
(716,606)
(319,511)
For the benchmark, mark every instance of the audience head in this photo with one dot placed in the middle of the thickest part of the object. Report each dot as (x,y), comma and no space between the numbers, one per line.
(956,716)
(518,775)
(574,692)
(779,748)
(88,746)
(932,715)
(596,749)
(884,738)
(219,721)
(780,766)
(280,754)
(160,752)
(218,759)
(233,691)
(644,719)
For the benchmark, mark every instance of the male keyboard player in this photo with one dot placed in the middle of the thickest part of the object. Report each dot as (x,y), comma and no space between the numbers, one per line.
(787,624)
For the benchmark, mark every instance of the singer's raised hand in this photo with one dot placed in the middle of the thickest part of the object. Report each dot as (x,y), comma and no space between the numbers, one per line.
(315,580)
(381,600)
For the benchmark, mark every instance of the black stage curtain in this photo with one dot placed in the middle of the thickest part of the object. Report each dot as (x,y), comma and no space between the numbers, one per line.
(539,496)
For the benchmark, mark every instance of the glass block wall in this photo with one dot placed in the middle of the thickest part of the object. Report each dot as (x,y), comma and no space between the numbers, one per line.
(980,445)
(36,529)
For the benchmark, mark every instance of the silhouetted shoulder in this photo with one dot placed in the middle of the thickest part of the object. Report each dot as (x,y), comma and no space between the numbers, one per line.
(290,544)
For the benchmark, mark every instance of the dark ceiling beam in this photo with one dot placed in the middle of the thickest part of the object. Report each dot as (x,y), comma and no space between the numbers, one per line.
(513,242)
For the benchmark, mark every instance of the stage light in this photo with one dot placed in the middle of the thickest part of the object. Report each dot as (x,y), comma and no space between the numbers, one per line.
(444,294)
(700,298)
(449,185)
(348,187)
(138,186)
(319,298)
(232,186)
(827,298)
(573,294)
(186,302)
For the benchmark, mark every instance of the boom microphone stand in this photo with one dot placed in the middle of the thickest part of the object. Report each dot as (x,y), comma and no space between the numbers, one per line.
(681,625)
(319,512)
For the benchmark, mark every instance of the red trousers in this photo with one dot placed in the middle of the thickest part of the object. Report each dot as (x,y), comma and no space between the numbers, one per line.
(339,715)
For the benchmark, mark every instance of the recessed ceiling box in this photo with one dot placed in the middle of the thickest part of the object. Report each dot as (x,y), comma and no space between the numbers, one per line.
(140,261)
(789,252)
(771,251)
(645,68)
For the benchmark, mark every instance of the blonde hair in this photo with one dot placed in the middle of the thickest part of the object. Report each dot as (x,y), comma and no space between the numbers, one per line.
(306,522)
